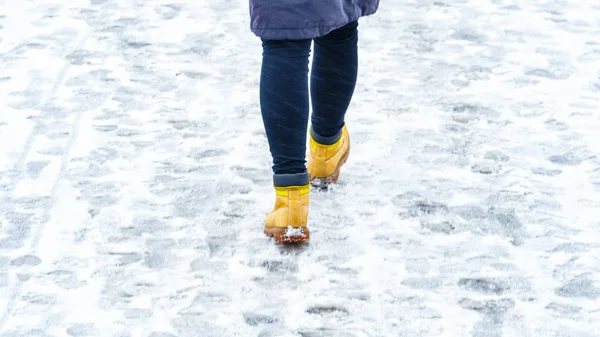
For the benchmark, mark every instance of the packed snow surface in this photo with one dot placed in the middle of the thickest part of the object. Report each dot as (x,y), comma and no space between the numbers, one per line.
(135,175)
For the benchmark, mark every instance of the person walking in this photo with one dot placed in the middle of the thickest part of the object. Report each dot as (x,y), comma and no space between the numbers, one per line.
(287,29)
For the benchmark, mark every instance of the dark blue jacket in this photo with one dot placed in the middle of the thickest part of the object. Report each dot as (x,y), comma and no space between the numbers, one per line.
(305,19)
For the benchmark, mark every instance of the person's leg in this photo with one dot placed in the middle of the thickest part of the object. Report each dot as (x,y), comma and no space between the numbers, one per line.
(284,106)
(333,79)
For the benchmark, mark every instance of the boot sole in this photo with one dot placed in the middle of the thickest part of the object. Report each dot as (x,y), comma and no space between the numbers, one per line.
(283,234)
(324,182)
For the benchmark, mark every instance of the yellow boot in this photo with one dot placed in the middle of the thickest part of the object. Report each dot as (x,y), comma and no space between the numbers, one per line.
(288,220)
(325,161)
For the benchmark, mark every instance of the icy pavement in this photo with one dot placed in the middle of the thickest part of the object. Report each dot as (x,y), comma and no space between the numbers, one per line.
(134,176)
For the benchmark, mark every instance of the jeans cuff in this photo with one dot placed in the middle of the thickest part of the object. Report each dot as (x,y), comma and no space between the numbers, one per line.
(294,179)
(325,140)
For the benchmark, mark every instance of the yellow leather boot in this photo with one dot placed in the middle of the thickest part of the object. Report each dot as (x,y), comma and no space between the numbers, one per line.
(288,220)
(325,161)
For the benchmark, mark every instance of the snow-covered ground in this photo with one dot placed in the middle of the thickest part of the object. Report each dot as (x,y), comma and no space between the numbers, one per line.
(135,175)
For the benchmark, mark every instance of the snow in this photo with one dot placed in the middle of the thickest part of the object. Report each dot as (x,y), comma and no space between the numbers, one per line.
(135,176)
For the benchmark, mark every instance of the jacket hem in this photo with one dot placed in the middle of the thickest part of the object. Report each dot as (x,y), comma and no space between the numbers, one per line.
(311,32)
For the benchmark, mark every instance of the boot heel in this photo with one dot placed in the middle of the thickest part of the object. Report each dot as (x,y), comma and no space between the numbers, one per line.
(288,235)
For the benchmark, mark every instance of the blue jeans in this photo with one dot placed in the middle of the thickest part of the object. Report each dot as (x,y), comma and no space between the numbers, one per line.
(284,96)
